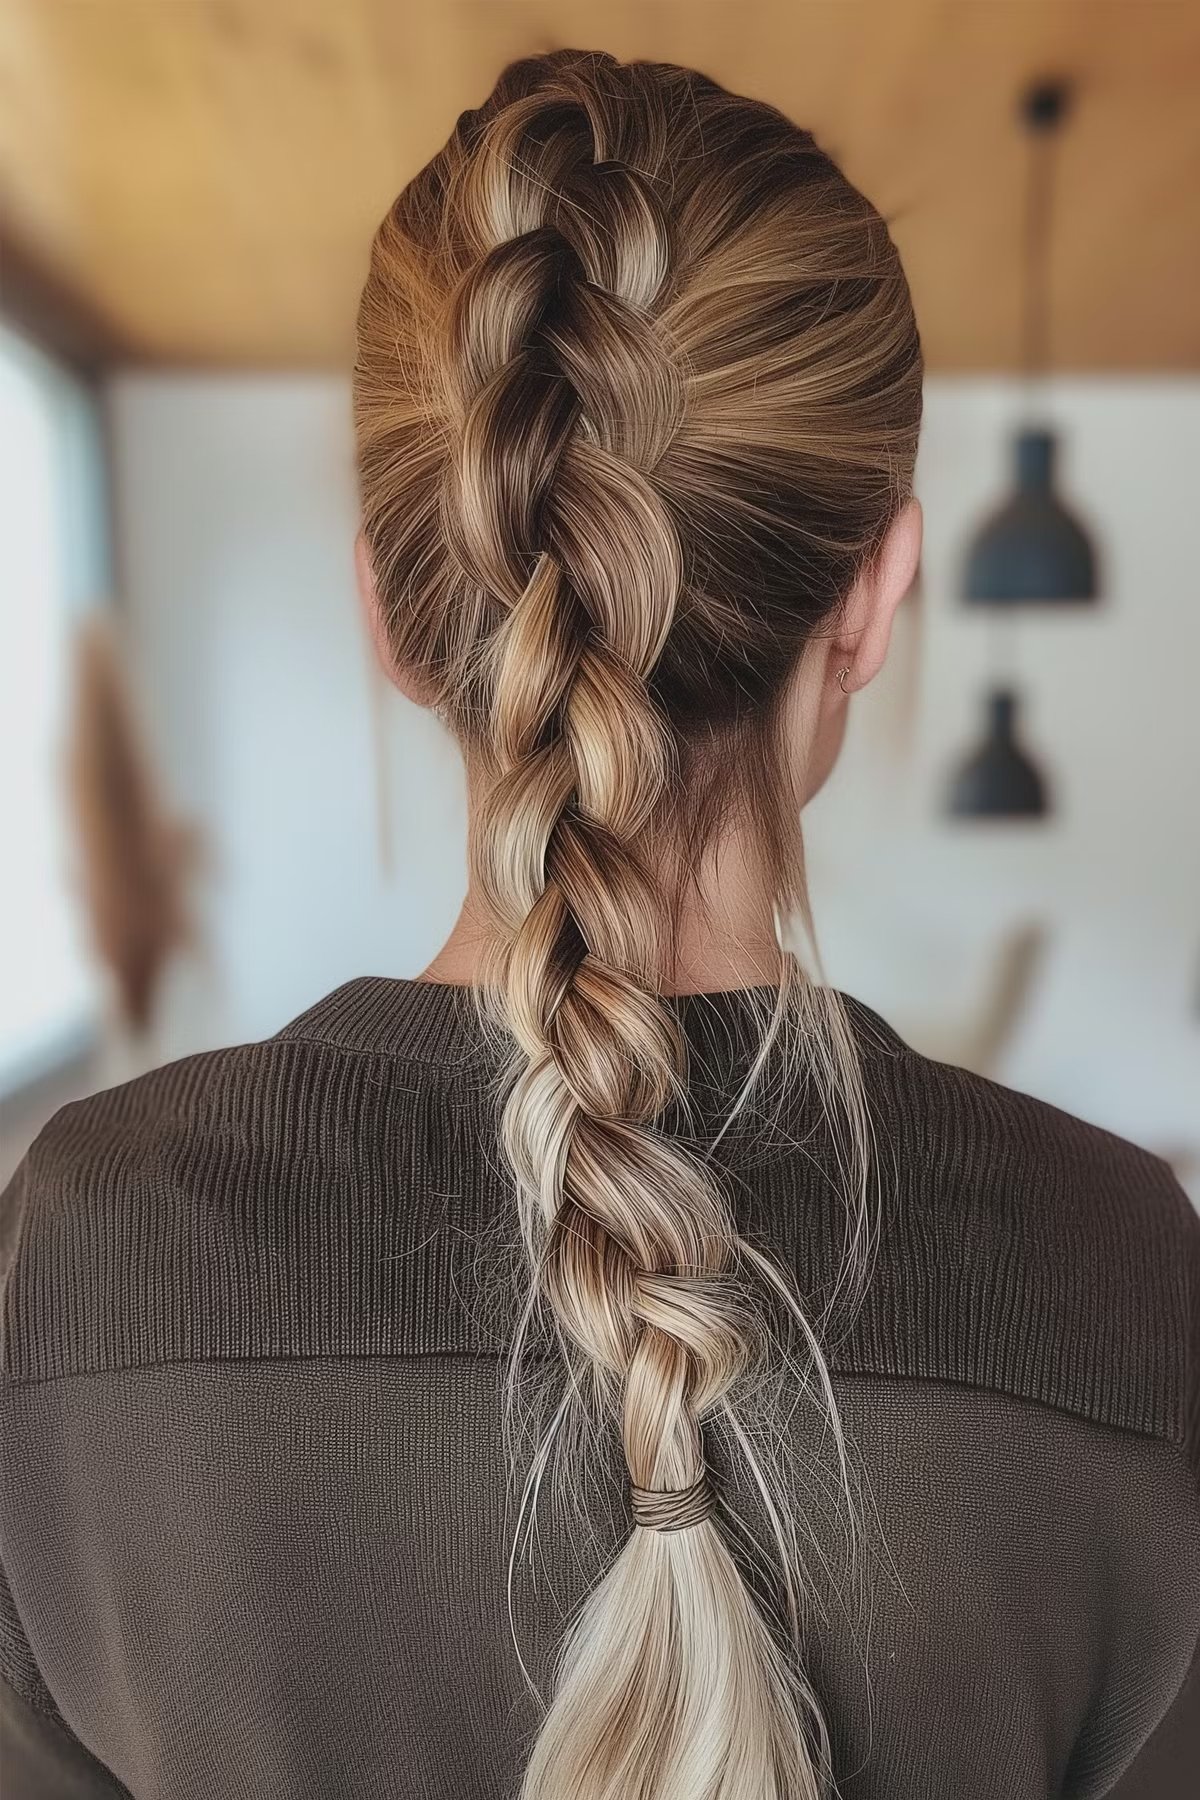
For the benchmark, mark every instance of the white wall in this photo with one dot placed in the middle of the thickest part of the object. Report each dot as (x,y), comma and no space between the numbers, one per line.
(235,521)
(235,526)
(911,904)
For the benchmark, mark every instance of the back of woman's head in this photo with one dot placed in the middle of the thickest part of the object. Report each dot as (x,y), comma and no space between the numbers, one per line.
(637,399)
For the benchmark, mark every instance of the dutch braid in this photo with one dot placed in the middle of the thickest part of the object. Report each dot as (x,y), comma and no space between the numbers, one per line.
(524,399)
(631,1238)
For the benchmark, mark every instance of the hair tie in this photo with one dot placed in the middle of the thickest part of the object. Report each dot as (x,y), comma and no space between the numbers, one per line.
(672,1509)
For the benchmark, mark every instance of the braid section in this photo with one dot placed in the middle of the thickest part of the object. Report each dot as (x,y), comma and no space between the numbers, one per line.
(564,398)
(637,397)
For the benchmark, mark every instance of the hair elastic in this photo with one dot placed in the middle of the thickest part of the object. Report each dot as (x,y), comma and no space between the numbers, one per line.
(672,1509)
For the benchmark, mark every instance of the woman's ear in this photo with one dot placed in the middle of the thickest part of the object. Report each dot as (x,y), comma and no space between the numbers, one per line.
(863,640)
(368,595)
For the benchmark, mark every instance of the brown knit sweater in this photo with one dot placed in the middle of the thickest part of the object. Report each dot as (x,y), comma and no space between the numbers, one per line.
(254,1512)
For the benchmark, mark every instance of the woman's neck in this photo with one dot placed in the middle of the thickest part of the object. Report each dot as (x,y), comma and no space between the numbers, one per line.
(725,935)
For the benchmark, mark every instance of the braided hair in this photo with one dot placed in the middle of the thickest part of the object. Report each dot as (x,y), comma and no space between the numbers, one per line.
(637,395)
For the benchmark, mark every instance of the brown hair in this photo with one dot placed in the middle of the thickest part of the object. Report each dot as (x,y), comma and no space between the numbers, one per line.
(637,398)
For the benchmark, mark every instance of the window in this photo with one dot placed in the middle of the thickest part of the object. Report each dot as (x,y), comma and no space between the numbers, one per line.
(53,564)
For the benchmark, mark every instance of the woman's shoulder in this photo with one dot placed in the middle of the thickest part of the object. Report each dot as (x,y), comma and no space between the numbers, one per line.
(238,1201)
(1015,1166)
(1027,1249)
(297,1094)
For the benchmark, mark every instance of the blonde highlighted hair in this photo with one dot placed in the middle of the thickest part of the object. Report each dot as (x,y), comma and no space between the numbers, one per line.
(637,397)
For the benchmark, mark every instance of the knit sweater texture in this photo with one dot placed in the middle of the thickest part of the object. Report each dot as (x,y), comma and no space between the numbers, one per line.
(256,1508)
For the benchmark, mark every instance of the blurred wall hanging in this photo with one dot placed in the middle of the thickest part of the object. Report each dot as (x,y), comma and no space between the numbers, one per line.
(134,859)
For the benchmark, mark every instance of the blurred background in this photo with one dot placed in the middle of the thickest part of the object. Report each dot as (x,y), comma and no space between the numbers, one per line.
(212,812)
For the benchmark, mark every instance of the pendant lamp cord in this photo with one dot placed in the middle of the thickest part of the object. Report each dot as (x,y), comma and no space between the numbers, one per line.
(1042,109)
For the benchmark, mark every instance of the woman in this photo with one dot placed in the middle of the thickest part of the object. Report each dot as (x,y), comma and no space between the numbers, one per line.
(849,1397)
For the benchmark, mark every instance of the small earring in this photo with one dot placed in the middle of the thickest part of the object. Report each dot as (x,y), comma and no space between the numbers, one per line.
(841,678)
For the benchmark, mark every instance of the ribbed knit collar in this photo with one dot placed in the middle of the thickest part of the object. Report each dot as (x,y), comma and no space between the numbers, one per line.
(437,1021)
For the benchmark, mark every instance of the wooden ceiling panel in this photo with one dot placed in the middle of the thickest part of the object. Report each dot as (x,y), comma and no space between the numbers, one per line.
(204,175)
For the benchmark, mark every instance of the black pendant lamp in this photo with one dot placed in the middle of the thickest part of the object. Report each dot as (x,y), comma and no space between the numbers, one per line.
(1032,549)
(999,780)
